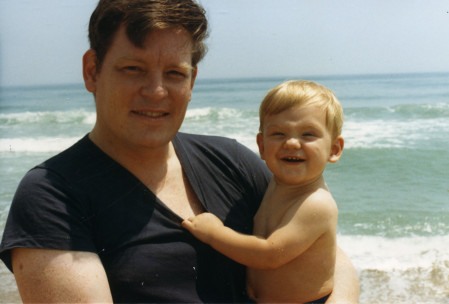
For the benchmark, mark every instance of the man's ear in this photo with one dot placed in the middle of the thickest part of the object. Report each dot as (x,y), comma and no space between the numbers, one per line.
(259,140)
(194,73)
(336,149)
(90,70)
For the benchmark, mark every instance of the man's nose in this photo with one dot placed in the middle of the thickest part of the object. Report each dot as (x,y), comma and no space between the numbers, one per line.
(154,87)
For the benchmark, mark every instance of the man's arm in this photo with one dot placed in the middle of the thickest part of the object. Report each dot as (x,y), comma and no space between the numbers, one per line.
(346,282)
(49,276)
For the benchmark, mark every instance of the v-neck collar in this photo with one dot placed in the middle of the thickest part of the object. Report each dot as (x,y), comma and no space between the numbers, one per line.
(189,171)
(187,168)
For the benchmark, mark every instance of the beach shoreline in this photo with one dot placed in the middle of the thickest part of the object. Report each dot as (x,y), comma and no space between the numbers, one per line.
(391,185)
(8,291)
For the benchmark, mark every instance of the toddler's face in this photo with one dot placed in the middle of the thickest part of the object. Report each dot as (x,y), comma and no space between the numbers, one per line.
(296,144)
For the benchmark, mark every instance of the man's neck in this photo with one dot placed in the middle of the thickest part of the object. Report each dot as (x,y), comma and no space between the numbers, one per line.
(149,165)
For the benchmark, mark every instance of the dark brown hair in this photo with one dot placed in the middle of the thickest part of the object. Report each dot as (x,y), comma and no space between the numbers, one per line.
(140,17)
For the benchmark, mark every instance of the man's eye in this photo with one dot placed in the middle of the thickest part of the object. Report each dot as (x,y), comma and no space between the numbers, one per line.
(177,73)
(133,68)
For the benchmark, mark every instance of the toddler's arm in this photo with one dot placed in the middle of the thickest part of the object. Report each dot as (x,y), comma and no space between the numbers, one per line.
(290,240)
(241,248)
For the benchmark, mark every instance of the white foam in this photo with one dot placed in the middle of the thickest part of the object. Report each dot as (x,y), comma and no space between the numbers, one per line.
(218,113)
(83,116)
(400,270)
(200,112)
(370,133)
(391,133)
(387,254)
(35,145)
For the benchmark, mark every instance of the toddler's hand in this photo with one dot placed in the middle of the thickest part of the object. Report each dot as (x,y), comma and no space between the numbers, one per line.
(203,226)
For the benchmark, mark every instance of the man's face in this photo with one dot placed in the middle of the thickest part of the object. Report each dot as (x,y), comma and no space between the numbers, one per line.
(142,93)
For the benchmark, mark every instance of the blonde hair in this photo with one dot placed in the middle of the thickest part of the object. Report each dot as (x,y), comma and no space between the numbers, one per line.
(301,92)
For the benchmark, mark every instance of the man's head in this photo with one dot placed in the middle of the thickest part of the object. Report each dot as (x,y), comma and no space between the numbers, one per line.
(140,17)
(300,92)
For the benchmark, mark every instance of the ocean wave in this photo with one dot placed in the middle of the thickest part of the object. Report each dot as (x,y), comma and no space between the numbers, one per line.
(219,113)
(412,270)
(399,112)
(388,254)
(241,125)
(388,227)
(422,111)
(198,113)
(364,130)
(381,133)
(36,145)
(48,117)
(359,131)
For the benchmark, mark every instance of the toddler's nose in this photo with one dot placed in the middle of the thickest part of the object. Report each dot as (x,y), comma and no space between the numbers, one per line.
(292,143)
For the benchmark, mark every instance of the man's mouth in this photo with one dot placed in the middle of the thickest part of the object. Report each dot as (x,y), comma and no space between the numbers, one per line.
(150,114)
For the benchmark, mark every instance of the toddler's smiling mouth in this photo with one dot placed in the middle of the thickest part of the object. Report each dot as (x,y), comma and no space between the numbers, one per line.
(293,159)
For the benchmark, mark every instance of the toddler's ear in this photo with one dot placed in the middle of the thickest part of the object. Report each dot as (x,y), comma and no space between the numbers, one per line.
(336,149)
(259,139)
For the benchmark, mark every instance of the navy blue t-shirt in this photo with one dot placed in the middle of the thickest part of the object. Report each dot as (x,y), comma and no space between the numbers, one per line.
(83,200)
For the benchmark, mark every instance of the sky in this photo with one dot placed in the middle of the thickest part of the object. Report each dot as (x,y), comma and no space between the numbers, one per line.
(42,42)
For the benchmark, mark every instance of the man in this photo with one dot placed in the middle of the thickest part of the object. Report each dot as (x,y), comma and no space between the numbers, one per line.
(100,222)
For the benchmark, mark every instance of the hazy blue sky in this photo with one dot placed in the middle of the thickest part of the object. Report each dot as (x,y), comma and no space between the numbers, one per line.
(42,41)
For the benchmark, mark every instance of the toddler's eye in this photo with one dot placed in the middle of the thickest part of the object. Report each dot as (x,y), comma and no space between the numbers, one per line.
(277,134)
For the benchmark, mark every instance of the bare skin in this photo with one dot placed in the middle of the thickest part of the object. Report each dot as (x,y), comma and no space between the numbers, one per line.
(291,256)
(304,227)
(57,276)
(133,86)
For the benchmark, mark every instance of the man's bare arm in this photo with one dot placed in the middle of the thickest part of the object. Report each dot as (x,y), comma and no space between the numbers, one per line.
(50,276)
(346,282)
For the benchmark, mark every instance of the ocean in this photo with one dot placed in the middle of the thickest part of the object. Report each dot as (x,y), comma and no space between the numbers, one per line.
(391,184)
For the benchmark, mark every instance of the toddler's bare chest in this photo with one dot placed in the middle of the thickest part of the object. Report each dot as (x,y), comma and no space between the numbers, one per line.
(269,218)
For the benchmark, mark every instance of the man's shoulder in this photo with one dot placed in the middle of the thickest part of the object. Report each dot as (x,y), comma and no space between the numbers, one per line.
(212,146)
(222,157)
(207,140)
(77,161)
